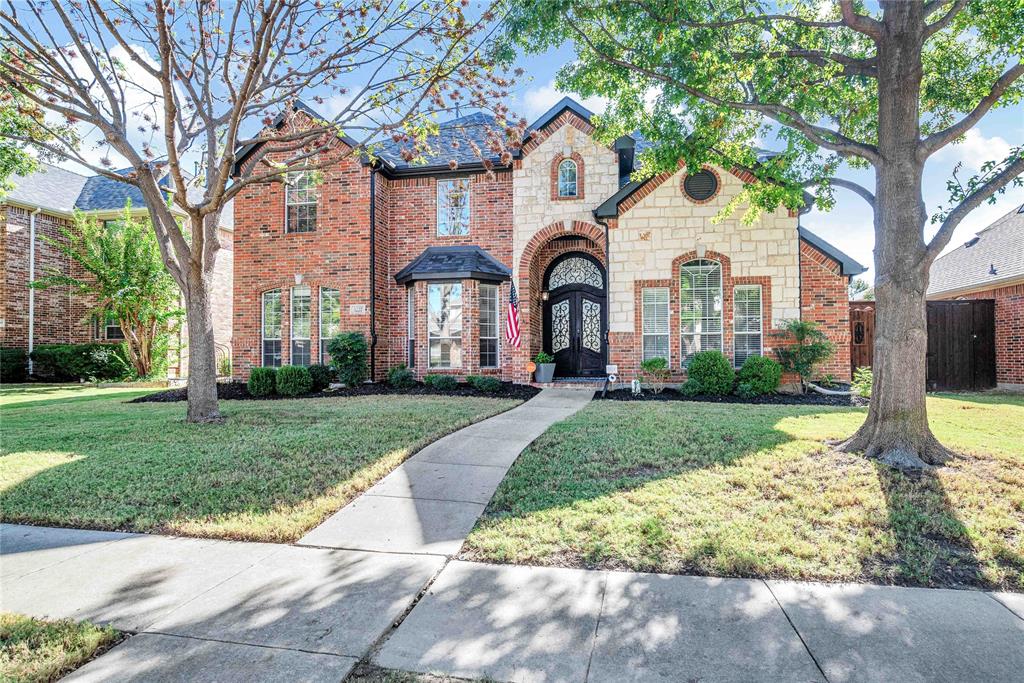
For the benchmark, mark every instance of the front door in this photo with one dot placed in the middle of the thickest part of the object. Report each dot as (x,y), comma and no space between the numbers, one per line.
(574,316)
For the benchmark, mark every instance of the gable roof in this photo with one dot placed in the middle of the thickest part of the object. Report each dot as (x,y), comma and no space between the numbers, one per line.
(994,255)
(849,266)
(454,263)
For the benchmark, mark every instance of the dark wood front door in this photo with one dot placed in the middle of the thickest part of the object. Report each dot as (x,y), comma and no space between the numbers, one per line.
(961,344)
(575,316)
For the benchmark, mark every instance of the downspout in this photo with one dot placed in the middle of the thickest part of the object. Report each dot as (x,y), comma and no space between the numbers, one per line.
(608,290)
(373,274)
(31,279)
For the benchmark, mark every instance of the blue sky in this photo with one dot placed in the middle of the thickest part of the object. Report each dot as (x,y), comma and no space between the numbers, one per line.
(849,224)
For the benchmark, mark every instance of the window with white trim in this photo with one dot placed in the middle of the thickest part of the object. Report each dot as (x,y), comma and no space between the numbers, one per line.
(568,173)
(330,318)
(300,198)
(453,206)
(271,325)
(746,323)
(654,303)
(488,326)
(444,324)
(700,307)
(301,319)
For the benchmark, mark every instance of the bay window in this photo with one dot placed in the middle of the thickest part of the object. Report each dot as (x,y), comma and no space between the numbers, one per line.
(444,324)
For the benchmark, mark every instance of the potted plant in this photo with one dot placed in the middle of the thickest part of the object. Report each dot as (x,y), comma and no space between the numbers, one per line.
(545,368)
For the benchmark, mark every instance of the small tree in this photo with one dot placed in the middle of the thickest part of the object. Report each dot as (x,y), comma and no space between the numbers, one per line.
(859,289)
(349,354)
(811,348)
(125,274)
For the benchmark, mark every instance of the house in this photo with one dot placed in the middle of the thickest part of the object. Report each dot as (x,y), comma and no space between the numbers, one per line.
(990,265)
(36,208)
(421,257)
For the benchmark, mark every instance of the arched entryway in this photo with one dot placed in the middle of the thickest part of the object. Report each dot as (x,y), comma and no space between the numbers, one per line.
(575,311)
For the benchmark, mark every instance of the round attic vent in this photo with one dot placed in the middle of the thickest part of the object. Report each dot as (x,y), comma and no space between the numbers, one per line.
(701,186)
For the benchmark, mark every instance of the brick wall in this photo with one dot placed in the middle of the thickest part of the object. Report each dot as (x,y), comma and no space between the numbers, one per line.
(1009,321)
(824,298)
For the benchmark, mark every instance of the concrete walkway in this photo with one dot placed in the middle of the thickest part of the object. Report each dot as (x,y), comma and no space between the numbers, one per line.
(429,504)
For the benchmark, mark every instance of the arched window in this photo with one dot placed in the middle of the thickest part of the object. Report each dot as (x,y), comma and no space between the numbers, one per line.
(575,270)
(700,307)
(568,173)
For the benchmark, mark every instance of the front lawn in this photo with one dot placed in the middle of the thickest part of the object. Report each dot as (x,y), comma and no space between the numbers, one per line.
(726,490)
(273,471)
(36,651)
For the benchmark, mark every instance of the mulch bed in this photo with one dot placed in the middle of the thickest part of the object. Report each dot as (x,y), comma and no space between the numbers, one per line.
(808,399)
(237,391)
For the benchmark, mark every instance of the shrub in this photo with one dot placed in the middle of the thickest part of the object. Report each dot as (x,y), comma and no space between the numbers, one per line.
(401,377)
(691,387)
(486,384)
(760,374)
(654,372)
(294,380)
(746,390)
(321,376)
(72,362)
(863,379)
(13,365)
(262,381)
(543,358)
(811,347)
(441,382)
(349,354)
(714,372)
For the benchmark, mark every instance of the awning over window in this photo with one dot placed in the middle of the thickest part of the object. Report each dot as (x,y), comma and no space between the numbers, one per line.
(454,263)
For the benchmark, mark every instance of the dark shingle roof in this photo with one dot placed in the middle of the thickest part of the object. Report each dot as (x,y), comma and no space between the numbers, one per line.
(453,142)
(106,194)
(996,254)
(454,263)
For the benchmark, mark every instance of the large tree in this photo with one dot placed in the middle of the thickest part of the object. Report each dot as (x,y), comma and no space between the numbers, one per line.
(175,88)
(840,85)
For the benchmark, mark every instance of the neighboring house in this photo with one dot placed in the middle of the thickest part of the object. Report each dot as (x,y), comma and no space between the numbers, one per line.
(39,205)
(990,265)
(420,257)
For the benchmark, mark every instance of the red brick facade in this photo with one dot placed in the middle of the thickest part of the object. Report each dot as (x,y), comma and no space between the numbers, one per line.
(1009,322)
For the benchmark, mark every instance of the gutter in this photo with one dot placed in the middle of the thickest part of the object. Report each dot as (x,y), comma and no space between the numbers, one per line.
(31,290)
(373,274)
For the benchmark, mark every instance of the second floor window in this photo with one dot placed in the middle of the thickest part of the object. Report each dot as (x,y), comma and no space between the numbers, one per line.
(453,206)
(300,195)
(567,172)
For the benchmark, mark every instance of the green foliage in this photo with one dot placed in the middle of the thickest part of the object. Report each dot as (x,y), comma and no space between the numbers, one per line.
(125,274)
(224,366)
(691,387)
(810,348)
(294,380)
(543,358)
(441,382)
(350,354)
(486,384)
(13,365)
(74,362)
(322,376)
(713,371)
(759,375)
(262,381)
(401,377)
(863,378)
(654,372)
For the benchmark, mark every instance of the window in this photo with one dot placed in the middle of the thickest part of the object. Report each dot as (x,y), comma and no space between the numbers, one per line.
(300,197)
(655,322)
(453,206)
(410,324)
(444,324)
(300,325)
(330,318)
(746,323)
(700,307)
(488,326)
(272,328)
(567,172)
(105,326)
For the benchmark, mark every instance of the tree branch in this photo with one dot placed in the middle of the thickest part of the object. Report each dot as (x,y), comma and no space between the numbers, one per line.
(858,22)
(856,188)
(946,19)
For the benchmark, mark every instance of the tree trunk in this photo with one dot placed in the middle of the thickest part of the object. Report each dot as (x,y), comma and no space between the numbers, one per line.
(202,351)
(896,430)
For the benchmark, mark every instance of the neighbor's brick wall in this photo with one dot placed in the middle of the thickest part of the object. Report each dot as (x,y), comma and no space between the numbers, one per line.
(824,299)
(1009,317)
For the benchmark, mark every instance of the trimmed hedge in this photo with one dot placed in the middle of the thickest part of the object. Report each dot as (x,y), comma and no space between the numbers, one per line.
(441,382)
(713,371)
(486,384)
(293,380)
(73,362)
(349,355)
(760,375)
(13,365)
(322,376)
(262,381)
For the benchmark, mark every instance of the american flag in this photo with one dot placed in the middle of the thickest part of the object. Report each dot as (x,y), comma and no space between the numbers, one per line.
(512,320)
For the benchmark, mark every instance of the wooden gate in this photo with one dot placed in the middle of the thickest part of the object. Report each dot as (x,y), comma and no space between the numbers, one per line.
(961,342)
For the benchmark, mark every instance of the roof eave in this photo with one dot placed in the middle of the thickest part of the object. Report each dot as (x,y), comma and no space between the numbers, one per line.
(849,266)
(977,287)
(481,275)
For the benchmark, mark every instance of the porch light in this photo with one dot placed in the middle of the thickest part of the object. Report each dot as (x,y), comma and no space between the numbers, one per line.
(544,296)
(298,278)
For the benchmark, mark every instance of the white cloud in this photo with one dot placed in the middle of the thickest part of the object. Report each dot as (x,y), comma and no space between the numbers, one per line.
(974,150)
(536,101)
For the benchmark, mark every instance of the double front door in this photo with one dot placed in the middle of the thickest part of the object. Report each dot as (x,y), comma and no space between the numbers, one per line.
(574,317)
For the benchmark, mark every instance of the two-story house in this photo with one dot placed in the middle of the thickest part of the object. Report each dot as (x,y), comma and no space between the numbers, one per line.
(421,258)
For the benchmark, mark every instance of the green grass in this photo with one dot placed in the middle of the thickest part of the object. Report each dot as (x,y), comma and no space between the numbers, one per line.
(38,651)
(730,490)
(273,471)
(38,394)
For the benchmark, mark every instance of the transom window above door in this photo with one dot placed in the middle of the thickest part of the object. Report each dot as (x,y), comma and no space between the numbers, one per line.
(576,270)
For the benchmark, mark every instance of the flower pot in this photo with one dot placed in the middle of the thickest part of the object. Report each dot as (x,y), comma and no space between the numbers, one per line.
(544,373)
